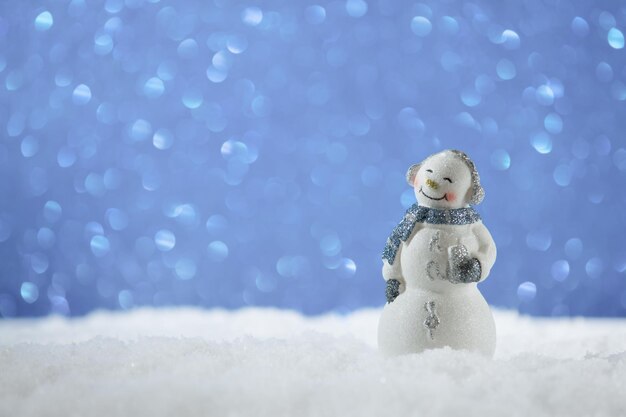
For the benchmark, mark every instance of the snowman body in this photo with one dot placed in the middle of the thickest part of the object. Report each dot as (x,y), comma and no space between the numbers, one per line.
(433,261)
(462,318)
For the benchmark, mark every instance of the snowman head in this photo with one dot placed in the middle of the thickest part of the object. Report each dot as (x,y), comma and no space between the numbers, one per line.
(446,180)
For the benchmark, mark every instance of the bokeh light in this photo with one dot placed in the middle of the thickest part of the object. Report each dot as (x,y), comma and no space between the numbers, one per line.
(226,154)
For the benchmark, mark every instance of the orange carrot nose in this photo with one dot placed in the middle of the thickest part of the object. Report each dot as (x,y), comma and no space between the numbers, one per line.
(432,184)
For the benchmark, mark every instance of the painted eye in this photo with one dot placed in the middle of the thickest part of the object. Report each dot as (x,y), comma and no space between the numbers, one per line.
(429,170)
(448,179)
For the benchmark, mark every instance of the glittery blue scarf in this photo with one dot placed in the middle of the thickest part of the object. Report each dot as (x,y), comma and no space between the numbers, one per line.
(419,214)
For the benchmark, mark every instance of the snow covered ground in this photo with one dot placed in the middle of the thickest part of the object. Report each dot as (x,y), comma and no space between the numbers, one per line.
(259,362)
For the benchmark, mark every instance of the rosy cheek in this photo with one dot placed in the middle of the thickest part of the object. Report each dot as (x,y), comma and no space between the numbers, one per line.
(415,183)
(450,196)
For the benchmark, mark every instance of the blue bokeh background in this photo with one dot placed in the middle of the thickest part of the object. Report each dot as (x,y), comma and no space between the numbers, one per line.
(235,154)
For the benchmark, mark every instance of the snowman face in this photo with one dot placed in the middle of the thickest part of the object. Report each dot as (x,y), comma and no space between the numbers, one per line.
(443,181)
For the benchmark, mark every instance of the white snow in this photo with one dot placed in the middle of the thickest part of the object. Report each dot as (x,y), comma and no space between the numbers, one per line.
(260,362)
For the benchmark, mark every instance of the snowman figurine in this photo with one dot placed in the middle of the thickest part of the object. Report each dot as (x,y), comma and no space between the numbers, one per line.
(433,261)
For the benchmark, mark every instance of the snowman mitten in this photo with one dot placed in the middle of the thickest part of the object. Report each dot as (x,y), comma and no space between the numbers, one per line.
(462,268)
(393,290)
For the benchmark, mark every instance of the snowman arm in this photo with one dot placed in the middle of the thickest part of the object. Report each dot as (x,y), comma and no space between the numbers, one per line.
(486,253)
(392,273)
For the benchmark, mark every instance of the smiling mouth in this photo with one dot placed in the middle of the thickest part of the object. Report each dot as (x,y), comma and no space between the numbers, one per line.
(433,198)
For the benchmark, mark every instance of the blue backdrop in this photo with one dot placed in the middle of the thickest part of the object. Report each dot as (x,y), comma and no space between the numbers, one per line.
(234,154)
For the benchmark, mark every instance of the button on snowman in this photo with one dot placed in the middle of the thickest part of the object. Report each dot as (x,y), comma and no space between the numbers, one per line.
(433,261)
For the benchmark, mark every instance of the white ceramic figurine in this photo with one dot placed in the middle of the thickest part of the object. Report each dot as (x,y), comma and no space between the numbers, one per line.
(433,261)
